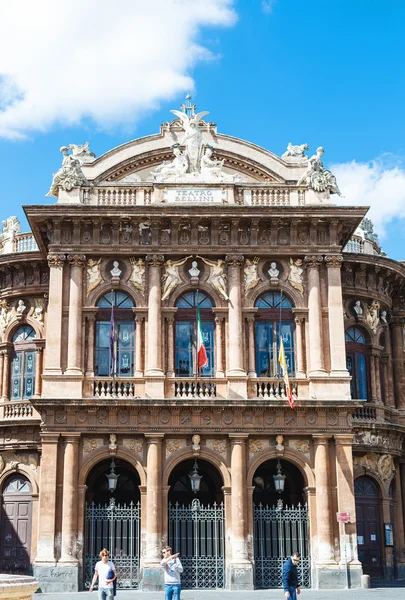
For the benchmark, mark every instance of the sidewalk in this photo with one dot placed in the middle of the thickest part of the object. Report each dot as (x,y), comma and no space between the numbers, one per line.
(395,593)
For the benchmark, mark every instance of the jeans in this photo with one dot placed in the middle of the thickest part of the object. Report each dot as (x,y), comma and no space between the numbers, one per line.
(172,591)
(105,594)
(293,593)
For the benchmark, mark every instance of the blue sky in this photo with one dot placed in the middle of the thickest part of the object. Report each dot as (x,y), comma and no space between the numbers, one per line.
(325,72)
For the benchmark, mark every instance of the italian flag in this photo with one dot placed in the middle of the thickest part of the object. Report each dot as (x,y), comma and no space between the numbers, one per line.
(284,369)
(202,359)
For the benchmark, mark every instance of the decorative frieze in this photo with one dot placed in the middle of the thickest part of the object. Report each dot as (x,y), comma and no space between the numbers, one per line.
(381,464)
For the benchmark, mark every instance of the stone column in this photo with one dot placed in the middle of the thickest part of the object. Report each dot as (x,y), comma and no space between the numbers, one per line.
(77,262)
(324,516)
(399,524)
(38,371)
(300,350)
(390,372)
(91,320)
(384,370)
(152,571)
(154,387)
(373,383)
(69,507)
(138,346)
(54,315)
(1,371)
(219,321)
(398,361)
(170,347)
(237,384)
(6,375)
(378,378)
(346,503)
(402,484)
(316,366)
(240,562)
(47,502)
(336,323)
(251,347)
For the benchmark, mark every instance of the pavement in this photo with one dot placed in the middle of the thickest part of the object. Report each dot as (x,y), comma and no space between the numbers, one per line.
(397,592)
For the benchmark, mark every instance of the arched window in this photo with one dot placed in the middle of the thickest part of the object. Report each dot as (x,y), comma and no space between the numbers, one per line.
(274,318)
(357,362)
(115,329)
(185,334)
(23,361)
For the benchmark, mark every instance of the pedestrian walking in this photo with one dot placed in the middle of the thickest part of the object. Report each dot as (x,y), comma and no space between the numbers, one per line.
(106,574)
(172,566)
(290,576)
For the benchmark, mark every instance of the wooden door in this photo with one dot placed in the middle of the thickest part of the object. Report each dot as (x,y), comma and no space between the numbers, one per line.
(369,527)
(15,526)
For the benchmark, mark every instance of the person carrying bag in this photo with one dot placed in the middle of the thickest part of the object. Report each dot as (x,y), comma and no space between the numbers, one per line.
(106,574)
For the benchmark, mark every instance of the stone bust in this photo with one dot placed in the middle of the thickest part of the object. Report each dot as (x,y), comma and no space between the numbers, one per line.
(116,271)
(194,271)
(273,271)
(358,309)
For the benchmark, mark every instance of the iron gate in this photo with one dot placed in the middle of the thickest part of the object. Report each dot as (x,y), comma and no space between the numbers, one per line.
(277,534)
(197,532)
(116,528)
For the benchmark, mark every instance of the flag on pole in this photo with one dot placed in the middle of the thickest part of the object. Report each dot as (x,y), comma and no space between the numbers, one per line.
(112,340)
(283,365)
(202,358)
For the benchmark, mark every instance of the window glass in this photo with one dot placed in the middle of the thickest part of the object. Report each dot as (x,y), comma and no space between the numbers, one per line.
(268,347)
(119,299)
(273,300)
(189,300)
(185,350)
(23,362)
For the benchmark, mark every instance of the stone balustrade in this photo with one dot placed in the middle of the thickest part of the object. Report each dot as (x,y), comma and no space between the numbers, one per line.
(192,388)
(275,389)
(365,413)
(18,411)
(17,587)
(114,388)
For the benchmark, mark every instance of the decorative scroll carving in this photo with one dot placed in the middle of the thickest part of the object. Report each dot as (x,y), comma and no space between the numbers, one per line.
(174,445)
(155,260)
(76,260)
(217,445)
(56,260)
(90,445)
(313,261)
(334,261)
(301,446)
(255,446)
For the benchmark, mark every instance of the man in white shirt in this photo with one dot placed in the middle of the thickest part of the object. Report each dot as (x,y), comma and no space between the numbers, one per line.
(173,568)
(101,571)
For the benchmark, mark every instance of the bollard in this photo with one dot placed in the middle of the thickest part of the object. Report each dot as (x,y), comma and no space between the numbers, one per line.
(365,581)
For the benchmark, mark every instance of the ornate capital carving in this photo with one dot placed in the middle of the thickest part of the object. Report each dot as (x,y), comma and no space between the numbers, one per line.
(155,260)
(56,260)
(139,320)
(397,321)
(234,260)
(334,261)
(77,260)
(313,262)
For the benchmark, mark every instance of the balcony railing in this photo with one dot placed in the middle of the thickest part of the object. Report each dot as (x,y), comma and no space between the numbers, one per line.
(275,389)
(15,411)
(24,242)
(114,388)
(365,413)
(190,388)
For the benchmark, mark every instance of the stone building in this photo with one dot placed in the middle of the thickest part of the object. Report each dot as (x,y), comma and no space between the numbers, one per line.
(110,433)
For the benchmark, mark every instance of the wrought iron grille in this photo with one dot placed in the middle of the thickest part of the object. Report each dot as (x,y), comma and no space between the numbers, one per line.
(117,528)
(278,533)
(197,532)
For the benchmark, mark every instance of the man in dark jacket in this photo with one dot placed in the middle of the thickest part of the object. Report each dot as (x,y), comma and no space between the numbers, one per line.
(290,576)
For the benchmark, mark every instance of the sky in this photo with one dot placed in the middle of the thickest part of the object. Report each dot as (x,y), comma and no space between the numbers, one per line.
(321,72)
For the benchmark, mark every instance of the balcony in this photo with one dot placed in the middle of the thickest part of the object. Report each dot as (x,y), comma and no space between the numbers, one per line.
(275,389)
(18,411)
(365,414)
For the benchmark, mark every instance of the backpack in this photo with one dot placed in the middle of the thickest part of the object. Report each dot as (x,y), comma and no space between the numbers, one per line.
(110,575)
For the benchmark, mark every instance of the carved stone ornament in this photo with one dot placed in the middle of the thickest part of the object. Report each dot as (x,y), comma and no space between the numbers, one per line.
(295,276)
(5,314)
(295,151)
(317,177)
(255,446)
(93,274)
(301,446)
(279,444)
(217,277)
(217,445)
(2,464)
(76,260)
(174,445)
(334,261)
(313,261)
(89,446)
(251,278)
(383,464)
(113,442)
(135,445)
(56,260)
(155,260)
(373,315)
(234,260)
(20,308)
(171,276)
(137,277)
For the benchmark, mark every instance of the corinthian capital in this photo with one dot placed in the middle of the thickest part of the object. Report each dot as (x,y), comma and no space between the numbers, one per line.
(313,261)
(56,260)
(334,261)
(77,260)
(155,260)
(234,260)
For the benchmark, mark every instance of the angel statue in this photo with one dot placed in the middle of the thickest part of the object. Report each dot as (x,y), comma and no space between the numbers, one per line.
(173,168)
(192,139)
(217,276)
(295,276)
(250,272)
(138,274)
(93,274)
(171,278)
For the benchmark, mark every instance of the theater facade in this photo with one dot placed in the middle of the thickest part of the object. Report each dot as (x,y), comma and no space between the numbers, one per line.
(113,436)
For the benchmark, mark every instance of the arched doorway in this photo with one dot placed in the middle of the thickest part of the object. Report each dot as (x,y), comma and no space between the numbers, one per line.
(196,524)
(112,521)
(16,524)
(368,521)
(281,523)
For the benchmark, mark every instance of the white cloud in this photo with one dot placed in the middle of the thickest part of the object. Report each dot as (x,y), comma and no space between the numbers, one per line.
(268,5)
(61,62)
(379,184)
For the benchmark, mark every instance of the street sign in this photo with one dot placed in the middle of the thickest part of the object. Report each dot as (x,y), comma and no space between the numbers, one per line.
(343,517)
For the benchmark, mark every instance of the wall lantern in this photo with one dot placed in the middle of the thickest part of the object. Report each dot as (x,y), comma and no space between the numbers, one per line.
(112,478)
(195,478)
(279,479)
